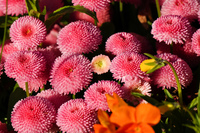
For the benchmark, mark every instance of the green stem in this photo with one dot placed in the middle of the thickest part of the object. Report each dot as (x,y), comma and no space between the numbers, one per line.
(73,96)
(171,48)
(158,8)
(178,83)
(5,29)
(27,91)
(121,12)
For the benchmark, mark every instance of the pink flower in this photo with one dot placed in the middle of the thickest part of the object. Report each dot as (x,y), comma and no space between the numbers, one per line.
(51,38)
(15,7)
(95,94)
(54,97)
(171,28)
(100,64)
(127,64)
(196,42)
(27,32)
(8,49)
(136,84)
(164,76)
(1,69)
(33,114)
(184,8)
(27,66)
(70,74)
(93,5)
(75,116)
(79,37)
(123,42)
(183,51)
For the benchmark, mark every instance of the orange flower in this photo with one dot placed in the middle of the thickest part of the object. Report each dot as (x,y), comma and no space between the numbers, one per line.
(114,102)
(136,120)
(106,126)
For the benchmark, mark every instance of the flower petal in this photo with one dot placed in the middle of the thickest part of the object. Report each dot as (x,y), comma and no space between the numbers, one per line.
(147,113)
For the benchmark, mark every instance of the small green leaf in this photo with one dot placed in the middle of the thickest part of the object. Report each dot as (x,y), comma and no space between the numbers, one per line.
(198,103)
(31,5)
(193,103)
(147,98)
(11,19)
(154,68)
(64,10)
(169,96)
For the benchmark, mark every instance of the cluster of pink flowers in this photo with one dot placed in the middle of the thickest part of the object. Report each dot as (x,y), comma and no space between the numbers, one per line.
(59,57)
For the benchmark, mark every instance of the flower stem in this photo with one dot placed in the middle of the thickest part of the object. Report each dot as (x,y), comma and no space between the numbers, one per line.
(27,91)
(121,12)
(158,8)
(5,28)
(171,48)
(178,83)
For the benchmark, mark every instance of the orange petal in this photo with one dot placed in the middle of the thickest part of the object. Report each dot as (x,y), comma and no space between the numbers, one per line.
(105,120)
(115,101)
(123,115)
(147,113)
(136,128)
(101,129)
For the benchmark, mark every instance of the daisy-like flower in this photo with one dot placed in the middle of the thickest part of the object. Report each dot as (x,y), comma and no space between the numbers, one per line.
(75,116)
(185,52)
(15,7)
(27,32)
(123,42)
(100,64)
(95,94)
(8,49)
(93,5)
(79,37)
(136,84)
(196,42)
(70,74)
(184,8)
(164,77)
(127,65)
(171,28)
(27,66)
(33,115)
(54,97)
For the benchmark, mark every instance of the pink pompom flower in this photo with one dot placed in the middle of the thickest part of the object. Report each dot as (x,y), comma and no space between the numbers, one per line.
(70,74)
(75,116)
(127,64)
(136,84)
(54,97)
(93,5)
(95,94)
(196,42)
(164,76)
(100,64)
(171,28)
(15,7)
(27,66)
(184,8)
(79,37)
(123,42)
(27,32)
(33,115)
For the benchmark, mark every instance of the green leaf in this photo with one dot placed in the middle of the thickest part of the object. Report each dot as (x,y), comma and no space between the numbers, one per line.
(11,19)
(193,103)
(192,127)
(169,96)
(31,5)
(147,98)
(64,10)
(198,103)
(155,68)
